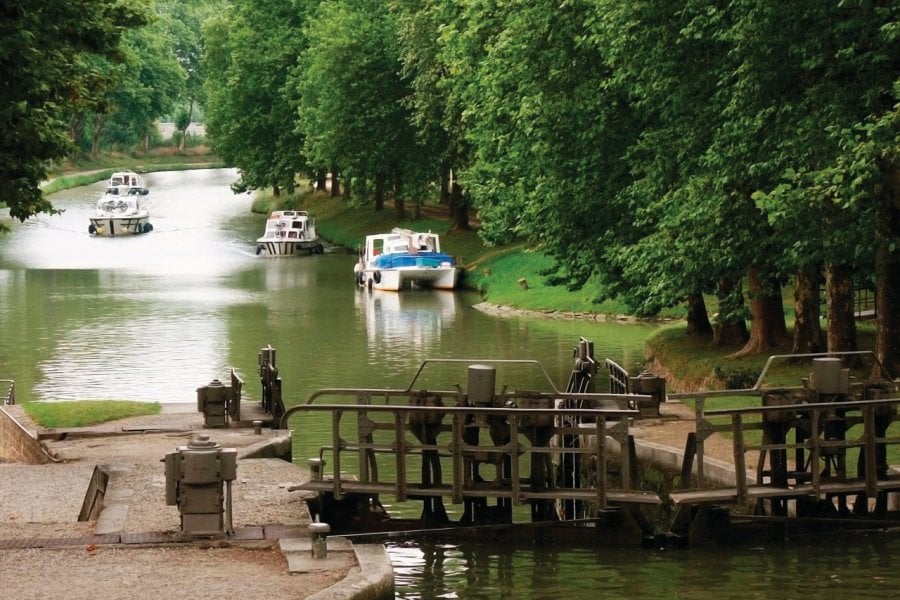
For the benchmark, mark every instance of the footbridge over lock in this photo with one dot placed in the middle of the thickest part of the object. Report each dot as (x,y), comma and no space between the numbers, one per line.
(813,456)
(481,450)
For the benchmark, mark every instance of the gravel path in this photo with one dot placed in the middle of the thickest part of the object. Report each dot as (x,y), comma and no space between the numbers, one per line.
(43,501)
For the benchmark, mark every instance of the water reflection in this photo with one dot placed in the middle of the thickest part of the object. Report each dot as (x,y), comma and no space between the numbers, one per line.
(862,568)
(403,321)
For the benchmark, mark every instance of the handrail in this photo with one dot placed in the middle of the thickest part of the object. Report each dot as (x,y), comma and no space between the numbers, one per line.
(10,397)
(816,442)
(620,402)
(404,421)
(758,386)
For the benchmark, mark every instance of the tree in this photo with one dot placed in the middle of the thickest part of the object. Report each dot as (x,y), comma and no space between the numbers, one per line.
(184,22)
(148,80)
(422,28)
(250,49)
(353,101)
(43,46)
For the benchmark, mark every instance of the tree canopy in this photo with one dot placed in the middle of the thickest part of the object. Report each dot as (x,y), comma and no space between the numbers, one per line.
(665,151)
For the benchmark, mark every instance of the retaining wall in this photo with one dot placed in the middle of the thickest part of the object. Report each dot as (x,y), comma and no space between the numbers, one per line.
(17,445)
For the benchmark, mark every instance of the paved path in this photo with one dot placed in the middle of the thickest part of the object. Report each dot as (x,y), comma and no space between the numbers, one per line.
(135,547)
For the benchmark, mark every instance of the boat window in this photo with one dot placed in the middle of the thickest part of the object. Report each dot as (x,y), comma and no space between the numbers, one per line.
(298,224)
(292,234)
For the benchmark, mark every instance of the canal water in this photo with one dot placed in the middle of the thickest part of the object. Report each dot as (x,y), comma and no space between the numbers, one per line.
(154,317)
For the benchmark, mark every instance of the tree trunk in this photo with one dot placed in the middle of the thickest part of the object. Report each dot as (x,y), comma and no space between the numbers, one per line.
(730,328)
(335,182)
(459,208)
(698,324)
(76,131)
(348,189)
(841,335)
(887,266)
(767,326)
(99,122)
(276,191)
(807,328)
(445,188)
(181,143)
(321,181)
(399,203)
(379,193)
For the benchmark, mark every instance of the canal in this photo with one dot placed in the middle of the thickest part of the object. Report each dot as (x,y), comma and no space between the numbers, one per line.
(153,317)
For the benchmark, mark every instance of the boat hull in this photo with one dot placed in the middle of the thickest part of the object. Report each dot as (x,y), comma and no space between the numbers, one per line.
(394,280)
(288,247)
(118,226)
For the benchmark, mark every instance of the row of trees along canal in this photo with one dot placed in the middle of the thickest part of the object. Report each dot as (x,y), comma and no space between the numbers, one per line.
(664,150)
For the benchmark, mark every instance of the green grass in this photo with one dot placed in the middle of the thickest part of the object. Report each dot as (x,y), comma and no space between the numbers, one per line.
(516,277)
(81,413)
(697,361)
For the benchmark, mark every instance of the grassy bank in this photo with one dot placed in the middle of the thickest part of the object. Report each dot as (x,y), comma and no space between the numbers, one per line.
(86,171)
(81,413)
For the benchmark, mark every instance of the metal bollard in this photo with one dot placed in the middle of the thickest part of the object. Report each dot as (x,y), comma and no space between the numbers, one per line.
(318,534)
(316,466)
(257,427)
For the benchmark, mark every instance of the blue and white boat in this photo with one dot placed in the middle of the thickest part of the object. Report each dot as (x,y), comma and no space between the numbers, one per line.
(403,258)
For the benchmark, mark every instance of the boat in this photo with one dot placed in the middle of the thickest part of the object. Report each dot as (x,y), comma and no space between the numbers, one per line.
(120,212)
(403,258)
(289,233)
(127,182)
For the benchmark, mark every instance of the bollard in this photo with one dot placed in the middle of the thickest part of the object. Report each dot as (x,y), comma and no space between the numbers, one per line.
(316,466)
(318,534)
(257,427)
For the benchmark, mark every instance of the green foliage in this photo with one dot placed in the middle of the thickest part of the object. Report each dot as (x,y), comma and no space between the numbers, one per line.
(251,48)
(732,378)
(47,51)
(82,413)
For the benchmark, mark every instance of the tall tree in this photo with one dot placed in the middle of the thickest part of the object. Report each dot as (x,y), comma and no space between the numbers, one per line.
(249,52)
(353,101)
(436,110)
(42,45)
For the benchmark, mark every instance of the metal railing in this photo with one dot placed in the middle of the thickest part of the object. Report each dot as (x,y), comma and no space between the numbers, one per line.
(389,432)
(816,443)
(10,396)
(852,412)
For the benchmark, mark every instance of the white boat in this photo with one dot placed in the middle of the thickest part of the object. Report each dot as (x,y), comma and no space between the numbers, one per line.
(403,258)
(130,181)
(288,233)
(120,212)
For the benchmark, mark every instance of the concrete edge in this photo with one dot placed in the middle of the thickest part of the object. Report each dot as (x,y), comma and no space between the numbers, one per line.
(373,579)
(280,445)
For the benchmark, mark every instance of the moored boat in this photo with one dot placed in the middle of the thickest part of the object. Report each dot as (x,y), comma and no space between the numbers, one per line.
(403,258)
(120,212)
(289,233)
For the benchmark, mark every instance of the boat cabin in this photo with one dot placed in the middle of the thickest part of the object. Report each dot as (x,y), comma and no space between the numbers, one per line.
(288,224)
